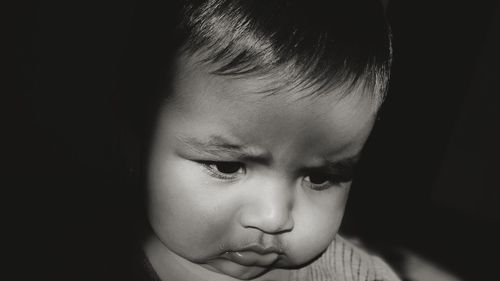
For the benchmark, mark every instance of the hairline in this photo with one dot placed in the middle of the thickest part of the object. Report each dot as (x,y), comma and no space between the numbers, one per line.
(281,84)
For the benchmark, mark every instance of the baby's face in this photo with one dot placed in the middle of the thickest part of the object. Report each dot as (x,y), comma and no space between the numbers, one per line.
(241,183)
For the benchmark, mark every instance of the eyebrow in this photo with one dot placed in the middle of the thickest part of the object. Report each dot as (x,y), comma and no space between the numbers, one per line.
(219,146)
(345,165)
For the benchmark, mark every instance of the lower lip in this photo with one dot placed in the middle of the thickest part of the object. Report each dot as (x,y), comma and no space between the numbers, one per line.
(250,258)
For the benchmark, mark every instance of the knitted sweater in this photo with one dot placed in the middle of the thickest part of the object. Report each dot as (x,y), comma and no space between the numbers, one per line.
(342,261)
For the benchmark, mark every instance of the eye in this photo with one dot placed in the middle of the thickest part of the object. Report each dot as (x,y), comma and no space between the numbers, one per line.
(223,170)
(318,180)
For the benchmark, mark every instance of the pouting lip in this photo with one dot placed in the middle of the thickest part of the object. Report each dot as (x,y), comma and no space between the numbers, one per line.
(259,249)
(249,256)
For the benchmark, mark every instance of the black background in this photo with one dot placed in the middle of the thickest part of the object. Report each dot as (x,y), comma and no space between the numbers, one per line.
(427,181)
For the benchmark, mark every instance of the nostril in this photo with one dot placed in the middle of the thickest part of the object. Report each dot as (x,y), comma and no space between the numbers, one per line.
(270,221)
(269,207)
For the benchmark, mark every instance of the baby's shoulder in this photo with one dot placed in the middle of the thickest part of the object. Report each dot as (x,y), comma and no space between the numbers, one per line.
(344,261)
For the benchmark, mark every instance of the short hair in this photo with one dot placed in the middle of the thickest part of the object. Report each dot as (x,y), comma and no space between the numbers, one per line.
(315,45)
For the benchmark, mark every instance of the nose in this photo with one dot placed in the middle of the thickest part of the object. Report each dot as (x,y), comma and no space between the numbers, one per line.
(268,208)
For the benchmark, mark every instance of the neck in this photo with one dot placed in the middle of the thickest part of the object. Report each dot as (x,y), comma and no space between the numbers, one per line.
(171,267)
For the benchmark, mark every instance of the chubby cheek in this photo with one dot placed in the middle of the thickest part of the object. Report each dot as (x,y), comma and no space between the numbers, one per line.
(183,214)
(317,222)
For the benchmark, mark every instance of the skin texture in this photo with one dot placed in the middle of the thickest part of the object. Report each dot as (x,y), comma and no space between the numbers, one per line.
(276,193)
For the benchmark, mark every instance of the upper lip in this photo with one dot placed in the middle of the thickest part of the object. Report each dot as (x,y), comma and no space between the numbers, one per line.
(262,250)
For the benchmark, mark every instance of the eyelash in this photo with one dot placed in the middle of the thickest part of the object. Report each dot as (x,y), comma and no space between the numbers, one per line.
(214,171)
(211,168)
(330,180)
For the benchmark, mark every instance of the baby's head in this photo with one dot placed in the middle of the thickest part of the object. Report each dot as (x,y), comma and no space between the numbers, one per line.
(254,146)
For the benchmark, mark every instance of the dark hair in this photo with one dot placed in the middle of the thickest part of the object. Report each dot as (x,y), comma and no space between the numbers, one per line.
(314,45)
(305,44)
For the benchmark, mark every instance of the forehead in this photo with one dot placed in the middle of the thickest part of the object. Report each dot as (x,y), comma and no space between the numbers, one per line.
(239,106)
(190,72)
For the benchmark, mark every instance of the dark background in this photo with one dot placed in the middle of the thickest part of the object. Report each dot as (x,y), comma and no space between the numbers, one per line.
(427,181)
(429,176)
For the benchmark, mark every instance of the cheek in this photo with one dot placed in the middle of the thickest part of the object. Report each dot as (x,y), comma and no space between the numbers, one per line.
(182,211)
(318,220)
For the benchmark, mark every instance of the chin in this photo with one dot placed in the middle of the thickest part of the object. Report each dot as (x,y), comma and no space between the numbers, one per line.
(250,276)
(243,272)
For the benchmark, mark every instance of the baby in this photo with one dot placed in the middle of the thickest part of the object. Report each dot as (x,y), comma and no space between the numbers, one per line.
(256,138)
